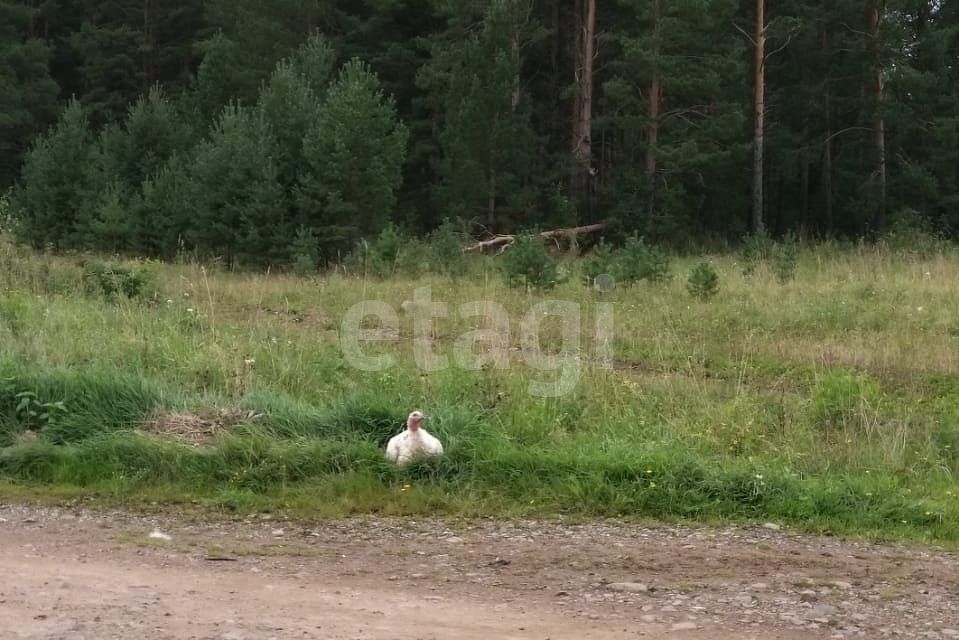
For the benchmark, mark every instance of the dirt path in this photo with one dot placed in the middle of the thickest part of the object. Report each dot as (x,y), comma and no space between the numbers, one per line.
(93,575)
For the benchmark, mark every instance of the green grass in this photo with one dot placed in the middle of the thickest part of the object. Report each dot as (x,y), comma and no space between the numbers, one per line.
(829,403)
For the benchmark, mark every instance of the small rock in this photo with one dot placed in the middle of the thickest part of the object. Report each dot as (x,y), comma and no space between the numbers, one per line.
(683,626)
(561,594)
(808,596)
(156,534)
(839,584)
(772,526)
(628,587)
(759,586)
(821,612)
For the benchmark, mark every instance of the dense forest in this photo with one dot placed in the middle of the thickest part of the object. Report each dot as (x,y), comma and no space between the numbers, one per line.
(260,130)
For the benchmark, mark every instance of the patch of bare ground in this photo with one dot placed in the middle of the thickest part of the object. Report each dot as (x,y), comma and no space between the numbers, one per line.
(84,574)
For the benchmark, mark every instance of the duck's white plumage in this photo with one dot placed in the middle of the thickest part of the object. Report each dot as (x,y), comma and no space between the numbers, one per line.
(412,442)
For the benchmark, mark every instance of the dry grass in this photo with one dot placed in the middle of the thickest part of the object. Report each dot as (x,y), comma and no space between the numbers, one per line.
(197,428)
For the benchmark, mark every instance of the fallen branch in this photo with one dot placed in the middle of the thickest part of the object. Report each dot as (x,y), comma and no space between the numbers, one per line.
(504,241)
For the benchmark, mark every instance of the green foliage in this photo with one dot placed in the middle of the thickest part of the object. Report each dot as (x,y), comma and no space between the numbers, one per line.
(165,208)
(249,38)
(151,134)
(446,250)
(28,94)
(463,109)
(413,258)
(108,48)
(112,280)
(845,400)
(111,224)
(305,251)
(379,257)
(34,415)
(235,192)
(6,214)
(667,437)
(354,154)
(313,62)
(56,188)
(601,261)
(639,261)
(527,263)
(74,407)
(14,314)
(290,106)
(703,282)
(693,155)
(486,138)
(756,248)
(785,257)
(910,232)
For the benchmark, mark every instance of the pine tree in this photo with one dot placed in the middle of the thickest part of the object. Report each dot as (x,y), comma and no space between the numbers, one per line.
(52,200)
(112,77)
(923,114)
(238,203)
(165,209)
(250,37)
(314,61)
(291,103)
(28,95)
(152,132)
(680,123)
(486,139)
(354,152)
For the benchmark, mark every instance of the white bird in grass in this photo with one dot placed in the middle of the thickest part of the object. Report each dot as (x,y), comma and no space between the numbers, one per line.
(412,442)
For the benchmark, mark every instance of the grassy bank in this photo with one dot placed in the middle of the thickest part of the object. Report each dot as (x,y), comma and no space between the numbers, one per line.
(829,402)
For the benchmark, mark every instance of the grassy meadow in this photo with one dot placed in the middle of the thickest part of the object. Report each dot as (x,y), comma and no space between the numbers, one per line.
(826,403)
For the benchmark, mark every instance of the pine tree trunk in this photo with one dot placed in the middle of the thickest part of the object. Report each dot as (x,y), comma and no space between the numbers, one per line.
(879,124)
(827,148)
(514,51)
(491,198)
(759,128)
(655,99)
(577,77)
(583,103)
(148,66)
(804,182)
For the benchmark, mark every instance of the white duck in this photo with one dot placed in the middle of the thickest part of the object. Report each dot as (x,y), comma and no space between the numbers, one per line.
(413,441)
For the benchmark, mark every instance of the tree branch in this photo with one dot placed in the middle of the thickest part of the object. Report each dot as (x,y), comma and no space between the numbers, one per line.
(789,38)
(503,241)
(742,31)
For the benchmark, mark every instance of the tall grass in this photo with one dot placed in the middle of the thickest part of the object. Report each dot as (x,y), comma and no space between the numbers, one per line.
(828,401)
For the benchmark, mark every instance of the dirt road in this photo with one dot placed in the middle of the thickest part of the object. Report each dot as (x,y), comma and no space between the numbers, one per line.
(73,574)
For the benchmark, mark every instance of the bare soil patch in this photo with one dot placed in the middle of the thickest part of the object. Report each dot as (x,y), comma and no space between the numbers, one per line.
(82,574)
